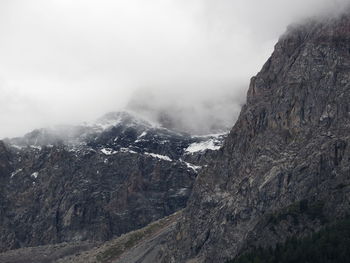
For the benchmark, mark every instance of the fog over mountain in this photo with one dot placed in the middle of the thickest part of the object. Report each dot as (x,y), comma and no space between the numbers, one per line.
(185,62)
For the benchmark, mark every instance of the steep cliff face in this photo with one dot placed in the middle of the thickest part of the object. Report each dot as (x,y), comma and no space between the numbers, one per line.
(285,167)
(93,182)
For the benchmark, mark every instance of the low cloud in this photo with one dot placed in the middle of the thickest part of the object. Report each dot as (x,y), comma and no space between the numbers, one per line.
(71,61)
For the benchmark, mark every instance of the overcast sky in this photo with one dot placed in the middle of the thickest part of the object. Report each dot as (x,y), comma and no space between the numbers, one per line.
(67,61)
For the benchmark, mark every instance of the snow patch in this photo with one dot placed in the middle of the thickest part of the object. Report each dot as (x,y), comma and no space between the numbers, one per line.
(139,138)
(35,175)
(211,135)
(192,166)
(108,151)
(36,147)
(16,172)
(142,135)
(162,157)
(202,146)
(126,150)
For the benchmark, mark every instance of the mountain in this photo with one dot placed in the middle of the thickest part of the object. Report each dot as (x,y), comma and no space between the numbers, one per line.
(95,181)
(285,166)
(282,174)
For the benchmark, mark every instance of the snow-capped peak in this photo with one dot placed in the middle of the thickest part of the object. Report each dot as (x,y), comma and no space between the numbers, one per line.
(125,118)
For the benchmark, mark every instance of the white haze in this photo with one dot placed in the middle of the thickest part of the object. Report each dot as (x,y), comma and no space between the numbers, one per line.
(64,61)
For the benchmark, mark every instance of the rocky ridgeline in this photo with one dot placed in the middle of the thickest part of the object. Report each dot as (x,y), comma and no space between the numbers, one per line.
(96,181)
(284,169)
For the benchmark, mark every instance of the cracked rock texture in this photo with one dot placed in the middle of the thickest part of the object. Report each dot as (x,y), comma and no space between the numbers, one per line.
(285,167)
(92,183)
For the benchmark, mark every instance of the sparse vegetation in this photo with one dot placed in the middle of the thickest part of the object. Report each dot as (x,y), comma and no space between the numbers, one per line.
(132,239)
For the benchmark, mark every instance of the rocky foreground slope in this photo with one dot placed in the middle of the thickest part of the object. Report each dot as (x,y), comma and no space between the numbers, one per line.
(285,167)
(93,182)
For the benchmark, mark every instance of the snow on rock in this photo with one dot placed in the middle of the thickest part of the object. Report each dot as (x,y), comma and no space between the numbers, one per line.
(143,134)
(126,150)
(16,172)
(212,135)
(108,151)
(193,167)
(139,139)
(35,175)
(162,157)
(35,147)
(202,146)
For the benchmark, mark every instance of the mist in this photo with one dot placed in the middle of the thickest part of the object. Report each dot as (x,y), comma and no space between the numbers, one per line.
(66,62)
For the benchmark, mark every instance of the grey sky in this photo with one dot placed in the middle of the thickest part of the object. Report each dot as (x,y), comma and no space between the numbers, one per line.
(64,61)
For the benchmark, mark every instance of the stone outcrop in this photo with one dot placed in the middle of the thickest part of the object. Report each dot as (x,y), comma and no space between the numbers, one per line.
(284,169)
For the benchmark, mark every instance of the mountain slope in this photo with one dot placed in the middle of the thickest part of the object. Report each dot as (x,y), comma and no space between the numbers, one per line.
(284,169)
(139,245)
(93,182)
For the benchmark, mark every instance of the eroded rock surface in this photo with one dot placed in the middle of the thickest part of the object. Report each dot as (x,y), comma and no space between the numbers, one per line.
(285,167)
(93,182)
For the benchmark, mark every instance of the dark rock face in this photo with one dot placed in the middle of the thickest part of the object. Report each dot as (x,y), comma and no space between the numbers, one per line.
(91,183)
(285,167)
(5,161)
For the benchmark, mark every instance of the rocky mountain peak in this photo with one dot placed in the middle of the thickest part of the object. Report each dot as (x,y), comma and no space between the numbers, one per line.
(95,181)
(306,71)
(125,118)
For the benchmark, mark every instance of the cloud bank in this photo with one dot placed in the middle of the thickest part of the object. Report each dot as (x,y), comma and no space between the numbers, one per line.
(71,61)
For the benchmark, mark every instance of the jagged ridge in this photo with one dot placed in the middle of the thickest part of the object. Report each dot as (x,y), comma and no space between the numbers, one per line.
(93,182)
